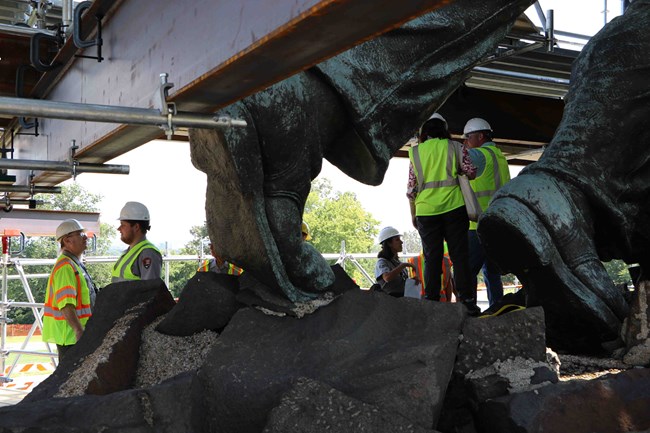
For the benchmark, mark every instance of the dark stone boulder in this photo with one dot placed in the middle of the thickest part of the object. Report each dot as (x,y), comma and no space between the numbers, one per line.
(396,354)
(106,357)
(313,407)
(611,404)
(254,293)
(164,408)
(490,339)
(497,355)
(206,302)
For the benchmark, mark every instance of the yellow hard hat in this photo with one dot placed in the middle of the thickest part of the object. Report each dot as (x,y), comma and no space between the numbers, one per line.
(305,231)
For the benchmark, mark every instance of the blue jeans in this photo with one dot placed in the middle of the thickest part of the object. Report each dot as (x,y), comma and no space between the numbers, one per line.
(491,273)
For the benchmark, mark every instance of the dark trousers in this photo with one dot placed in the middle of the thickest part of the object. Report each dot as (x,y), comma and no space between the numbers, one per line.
(452,227)
(63,350)
(491,273)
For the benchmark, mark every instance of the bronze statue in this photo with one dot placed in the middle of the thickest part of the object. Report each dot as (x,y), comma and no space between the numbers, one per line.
(588,197)
(356,110)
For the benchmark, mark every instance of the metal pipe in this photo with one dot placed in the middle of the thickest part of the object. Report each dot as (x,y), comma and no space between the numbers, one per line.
(26,164)
(523,75)
(66,15)
(8,29)
(30,189)
(110,114)
(605,13)
(549,31)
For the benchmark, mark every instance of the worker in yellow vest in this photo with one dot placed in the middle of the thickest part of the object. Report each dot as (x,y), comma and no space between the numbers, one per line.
(70,294)
(491,173)
(219,265)
(141,260)
(438,208)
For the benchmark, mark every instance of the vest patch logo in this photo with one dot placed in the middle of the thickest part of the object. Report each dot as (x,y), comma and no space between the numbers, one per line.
(146,262)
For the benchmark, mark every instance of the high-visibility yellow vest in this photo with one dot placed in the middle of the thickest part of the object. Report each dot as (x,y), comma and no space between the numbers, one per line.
(66,286)
(434,163)
(494,176)
(122,268)
(207,265)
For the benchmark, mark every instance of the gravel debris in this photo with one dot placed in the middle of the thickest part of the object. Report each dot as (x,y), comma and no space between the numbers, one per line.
(588,367)
(165,356)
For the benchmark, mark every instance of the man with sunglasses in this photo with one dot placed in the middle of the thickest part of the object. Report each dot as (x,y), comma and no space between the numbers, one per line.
(70,294)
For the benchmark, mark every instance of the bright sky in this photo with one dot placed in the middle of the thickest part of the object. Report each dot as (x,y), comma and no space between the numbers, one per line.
(164,179)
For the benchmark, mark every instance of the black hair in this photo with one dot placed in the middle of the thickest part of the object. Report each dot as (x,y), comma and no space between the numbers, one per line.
(386,252)
(433,128)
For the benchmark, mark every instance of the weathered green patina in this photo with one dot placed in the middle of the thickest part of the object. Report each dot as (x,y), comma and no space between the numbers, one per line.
(588,197)
(356,110)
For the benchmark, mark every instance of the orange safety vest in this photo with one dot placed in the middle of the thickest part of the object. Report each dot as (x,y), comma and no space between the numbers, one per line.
(65,286)
(447,280)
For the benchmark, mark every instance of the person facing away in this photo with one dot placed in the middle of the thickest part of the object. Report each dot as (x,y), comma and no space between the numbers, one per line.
(491,173)
(390,273)
(141,260)
(70,293)
(438,208)
(219,265)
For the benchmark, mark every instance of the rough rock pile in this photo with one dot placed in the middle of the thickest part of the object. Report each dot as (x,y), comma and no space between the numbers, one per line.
(365,363)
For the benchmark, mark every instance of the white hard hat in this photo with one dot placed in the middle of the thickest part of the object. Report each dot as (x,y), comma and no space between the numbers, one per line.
(476,124)
(387,233)
(439,117)
(67,227)
(134,211)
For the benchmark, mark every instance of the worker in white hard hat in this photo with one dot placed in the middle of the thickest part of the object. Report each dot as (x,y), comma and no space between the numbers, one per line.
(142,260)
(306,234)
(219,265)
(70,294)
(390,273)
(491,174)
(438,208)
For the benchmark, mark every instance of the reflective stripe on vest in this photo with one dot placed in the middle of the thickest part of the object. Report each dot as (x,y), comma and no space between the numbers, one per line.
(434,163)
(210,265)
(494,176)
(55,328)
(122,268)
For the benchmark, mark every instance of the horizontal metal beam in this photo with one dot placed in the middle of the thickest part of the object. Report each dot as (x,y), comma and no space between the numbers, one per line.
(31,189)
(110,114)
(26,164)
(513,74)
(23,31)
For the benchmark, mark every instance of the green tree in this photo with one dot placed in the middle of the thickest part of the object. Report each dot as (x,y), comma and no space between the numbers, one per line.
(73,198)
(181,272)
(335,216)
(412,242)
